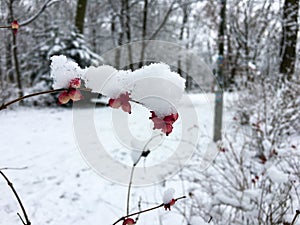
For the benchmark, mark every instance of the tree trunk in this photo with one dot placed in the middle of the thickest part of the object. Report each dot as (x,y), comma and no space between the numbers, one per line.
(220,77)
(289,37)
(8,55)
(80,14)
(120,39)
(128,31)
(182,30)
(17,66)
(8,61)
(144,32)
(15,51)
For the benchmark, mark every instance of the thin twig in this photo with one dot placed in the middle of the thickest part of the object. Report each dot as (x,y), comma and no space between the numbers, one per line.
(21,218)
(5,105)
(144,153)
(140,208)
(10,184)
(5,26)
(295,217)
(129,187)
(143,211)
(14,168)
(41,10)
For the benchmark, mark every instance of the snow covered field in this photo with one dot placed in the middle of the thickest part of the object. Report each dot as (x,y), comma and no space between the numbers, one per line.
(58,187)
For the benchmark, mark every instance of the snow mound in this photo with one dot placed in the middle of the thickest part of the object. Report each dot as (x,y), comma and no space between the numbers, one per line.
(168,195)
(155,86)
(276,175)
(63,71)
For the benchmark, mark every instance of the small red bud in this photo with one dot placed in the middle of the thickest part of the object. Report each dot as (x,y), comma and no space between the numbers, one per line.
(122,101)
(15,27)
(75,83)
(128,221)
(168,206)
(64,97)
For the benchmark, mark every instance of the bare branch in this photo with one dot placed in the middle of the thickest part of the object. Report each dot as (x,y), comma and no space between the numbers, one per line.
(163,22)
(43,8)
(14,168)
(5,26)
(10,184)
(5,105)
(144,153)
(295,217)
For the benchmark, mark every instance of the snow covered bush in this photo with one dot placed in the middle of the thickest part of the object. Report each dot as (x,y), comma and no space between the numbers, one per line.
(255,178)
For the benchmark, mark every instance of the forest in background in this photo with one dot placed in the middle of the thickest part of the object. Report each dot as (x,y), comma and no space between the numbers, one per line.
(259,36)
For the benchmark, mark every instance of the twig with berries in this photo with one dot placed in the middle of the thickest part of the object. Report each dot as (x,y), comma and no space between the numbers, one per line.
(129,221)
(14,27)
(73,92)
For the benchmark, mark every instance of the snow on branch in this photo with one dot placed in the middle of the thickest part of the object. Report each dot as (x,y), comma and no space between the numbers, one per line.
(154,86)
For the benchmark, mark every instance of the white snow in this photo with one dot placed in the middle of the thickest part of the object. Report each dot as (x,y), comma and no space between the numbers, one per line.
(252,66)
(154,86)
(103,80)
(158,88)
(59,187)
(224,199)
(137,149)
(276,175)
(168,195)
(209,156)
(63,70)
(267,145)
(197,220)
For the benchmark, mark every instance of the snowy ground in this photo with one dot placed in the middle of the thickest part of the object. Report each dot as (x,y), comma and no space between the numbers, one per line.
(58,187)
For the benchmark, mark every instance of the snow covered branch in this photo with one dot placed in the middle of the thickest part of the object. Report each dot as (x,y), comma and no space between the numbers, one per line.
(155,87)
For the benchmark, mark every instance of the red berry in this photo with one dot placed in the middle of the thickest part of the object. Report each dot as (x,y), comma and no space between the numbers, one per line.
(128,221)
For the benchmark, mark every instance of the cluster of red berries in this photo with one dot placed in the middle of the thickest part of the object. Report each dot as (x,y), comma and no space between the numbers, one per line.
(165,124)
(72,93)
(122,101)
